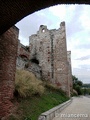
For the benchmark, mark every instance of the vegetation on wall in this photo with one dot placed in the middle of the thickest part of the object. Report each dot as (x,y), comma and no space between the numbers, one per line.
(26,84)
(27,48)
(35,96)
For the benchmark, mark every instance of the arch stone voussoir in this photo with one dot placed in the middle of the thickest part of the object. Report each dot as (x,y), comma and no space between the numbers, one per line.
(12,11)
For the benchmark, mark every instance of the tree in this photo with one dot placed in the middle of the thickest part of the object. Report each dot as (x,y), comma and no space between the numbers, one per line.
(77,84)
(78,89)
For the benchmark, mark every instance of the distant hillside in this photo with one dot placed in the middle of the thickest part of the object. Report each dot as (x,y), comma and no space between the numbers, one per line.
(86,85)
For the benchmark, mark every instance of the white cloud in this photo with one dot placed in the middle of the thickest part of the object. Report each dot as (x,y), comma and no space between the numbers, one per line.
(85,17)
(59,11)
(82,74)
(63,12)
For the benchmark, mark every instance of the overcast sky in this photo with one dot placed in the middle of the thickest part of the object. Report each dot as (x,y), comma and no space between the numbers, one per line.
(77,19)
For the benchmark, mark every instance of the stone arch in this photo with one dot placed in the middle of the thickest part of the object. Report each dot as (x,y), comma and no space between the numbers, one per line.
(13,11)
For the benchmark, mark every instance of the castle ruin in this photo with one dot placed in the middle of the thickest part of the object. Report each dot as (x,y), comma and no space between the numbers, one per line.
(46,56)
(49,57)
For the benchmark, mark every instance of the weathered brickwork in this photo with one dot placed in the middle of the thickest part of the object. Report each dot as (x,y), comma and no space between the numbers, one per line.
(23,56)
(8,55)
(48,52)
(23,50)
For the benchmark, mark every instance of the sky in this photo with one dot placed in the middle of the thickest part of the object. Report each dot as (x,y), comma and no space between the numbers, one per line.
(77,19)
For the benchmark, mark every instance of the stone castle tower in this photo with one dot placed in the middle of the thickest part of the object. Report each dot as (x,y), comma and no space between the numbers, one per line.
(48,55)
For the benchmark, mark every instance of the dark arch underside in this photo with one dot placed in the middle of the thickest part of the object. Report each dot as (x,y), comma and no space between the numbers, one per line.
(12,11)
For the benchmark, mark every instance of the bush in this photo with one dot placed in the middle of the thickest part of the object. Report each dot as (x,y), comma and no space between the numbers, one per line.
(53,87)
(78,89)
(26,84)
(74,93)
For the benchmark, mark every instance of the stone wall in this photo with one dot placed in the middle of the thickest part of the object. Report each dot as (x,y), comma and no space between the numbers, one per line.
(23,50)
(48,51)
(49,61)
(70,71)
(23,56)
(8,55)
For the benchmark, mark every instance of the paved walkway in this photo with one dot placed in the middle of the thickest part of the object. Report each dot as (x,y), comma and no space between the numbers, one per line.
(79,109)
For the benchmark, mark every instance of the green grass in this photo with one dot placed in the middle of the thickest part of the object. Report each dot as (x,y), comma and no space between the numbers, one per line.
(34,96)
(32,107)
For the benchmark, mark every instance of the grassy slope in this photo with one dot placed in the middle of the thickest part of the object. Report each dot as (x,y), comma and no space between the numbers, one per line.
(33,107)
(36,96)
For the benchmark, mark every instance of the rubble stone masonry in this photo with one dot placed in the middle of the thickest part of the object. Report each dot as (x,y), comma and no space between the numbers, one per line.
(8,54)
(23,56)
(48,54)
